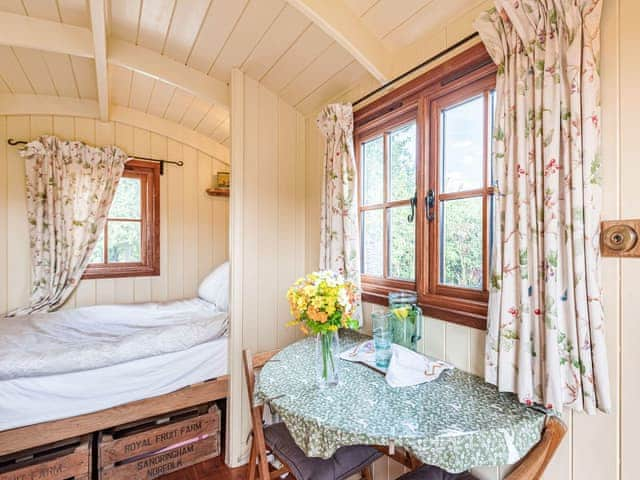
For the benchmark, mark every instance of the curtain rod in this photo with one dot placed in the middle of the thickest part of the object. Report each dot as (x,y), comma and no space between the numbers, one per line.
(179,163)
(432,59)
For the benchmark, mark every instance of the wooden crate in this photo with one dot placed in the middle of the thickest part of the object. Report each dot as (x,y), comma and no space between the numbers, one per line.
(147,449)
(65,460)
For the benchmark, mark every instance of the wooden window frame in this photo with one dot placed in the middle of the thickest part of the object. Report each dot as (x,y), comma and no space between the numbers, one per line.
(149,175)
(376,287)
(456,79)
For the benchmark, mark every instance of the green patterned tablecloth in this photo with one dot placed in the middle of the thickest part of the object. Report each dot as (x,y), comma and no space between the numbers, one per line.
(456,422)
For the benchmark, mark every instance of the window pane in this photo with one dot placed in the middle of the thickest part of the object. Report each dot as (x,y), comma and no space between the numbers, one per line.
(402,162)
(97,256)
(127,202)
(372,171)
(461,242)
(372,243)
(462,146)
(124,242)
(402,244)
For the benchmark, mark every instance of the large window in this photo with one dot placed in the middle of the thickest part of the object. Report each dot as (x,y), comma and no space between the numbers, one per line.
(129,243)
(426,194)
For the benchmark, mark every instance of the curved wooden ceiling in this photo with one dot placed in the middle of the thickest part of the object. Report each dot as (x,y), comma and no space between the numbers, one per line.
(270,40)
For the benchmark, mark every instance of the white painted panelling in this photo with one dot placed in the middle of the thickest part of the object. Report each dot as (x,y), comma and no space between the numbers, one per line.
(330,62)
(154,23)
(214,118)
(120,83)
(252,25)
(160,98)
(179,104)
(85,72)
(426,20)
(125,15)
(195,113)
(339,83)
(75,12)
(36,70)
(268,217)
(62,76)
(281,35)
(185,26)
(187,214)
(385,15)
(310,45)
(215,30)
(46,9)
(141,90)
(360,7)
(12,73)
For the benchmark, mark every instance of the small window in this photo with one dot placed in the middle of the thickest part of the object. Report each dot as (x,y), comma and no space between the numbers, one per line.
(129,244)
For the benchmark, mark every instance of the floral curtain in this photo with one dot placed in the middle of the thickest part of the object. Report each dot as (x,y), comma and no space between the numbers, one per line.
(70,187)
(339,229)
(545,325)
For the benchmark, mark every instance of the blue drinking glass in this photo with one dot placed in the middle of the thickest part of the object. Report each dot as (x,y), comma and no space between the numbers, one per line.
(382,338)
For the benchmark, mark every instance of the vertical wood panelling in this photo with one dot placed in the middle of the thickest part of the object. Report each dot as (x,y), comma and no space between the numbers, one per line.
(18,266)
(268,229)
(629,142)
(190,222)
(4,224)
(175,194)
(181,221)
(268,221)
(205,215)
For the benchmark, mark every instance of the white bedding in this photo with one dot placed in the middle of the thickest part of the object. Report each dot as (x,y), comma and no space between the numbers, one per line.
(30,400)
(90,338)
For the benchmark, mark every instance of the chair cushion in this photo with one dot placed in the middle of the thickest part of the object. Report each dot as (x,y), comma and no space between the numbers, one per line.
(427,472)
(344,463)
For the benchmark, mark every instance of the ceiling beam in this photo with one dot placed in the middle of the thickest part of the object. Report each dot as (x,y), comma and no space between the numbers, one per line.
(339,22)
(98,27)
(30,32)
(28,104)
(163,68)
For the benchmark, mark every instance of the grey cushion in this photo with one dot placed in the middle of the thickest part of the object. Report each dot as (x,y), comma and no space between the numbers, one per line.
(428,472)
(344,463)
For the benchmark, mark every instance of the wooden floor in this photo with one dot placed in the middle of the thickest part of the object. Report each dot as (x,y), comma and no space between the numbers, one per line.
(214,469)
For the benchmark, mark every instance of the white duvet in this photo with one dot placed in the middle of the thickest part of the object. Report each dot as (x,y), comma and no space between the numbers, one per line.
(94,337)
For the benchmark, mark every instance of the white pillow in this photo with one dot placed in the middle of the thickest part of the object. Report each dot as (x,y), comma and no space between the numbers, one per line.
(215,287)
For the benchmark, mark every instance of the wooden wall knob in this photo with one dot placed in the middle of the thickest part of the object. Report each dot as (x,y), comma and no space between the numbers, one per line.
(619,238)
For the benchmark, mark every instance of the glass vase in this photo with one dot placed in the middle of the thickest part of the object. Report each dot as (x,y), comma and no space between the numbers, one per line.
(406,319)
(327,359)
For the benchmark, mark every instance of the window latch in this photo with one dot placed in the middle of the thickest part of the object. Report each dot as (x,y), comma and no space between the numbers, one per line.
(429,203)
(414,204)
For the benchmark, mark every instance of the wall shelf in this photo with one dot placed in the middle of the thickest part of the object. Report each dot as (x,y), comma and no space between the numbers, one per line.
(218,192)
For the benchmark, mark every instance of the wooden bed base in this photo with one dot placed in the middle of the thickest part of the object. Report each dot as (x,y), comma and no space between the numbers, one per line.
(23,438)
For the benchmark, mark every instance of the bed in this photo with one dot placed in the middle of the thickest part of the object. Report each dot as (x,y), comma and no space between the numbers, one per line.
(78,361)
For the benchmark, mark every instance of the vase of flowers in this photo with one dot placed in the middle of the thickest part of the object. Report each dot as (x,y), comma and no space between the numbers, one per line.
(321,303)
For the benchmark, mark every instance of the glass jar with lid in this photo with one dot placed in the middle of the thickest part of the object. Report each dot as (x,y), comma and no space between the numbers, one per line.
(406,319)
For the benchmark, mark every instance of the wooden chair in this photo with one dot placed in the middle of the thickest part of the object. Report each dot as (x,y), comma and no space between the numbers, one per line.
(531,467)
(277,440)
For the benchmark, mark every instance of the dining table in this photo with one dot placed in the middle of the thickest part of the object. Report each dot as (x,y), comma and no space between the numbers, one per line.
(455,422)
